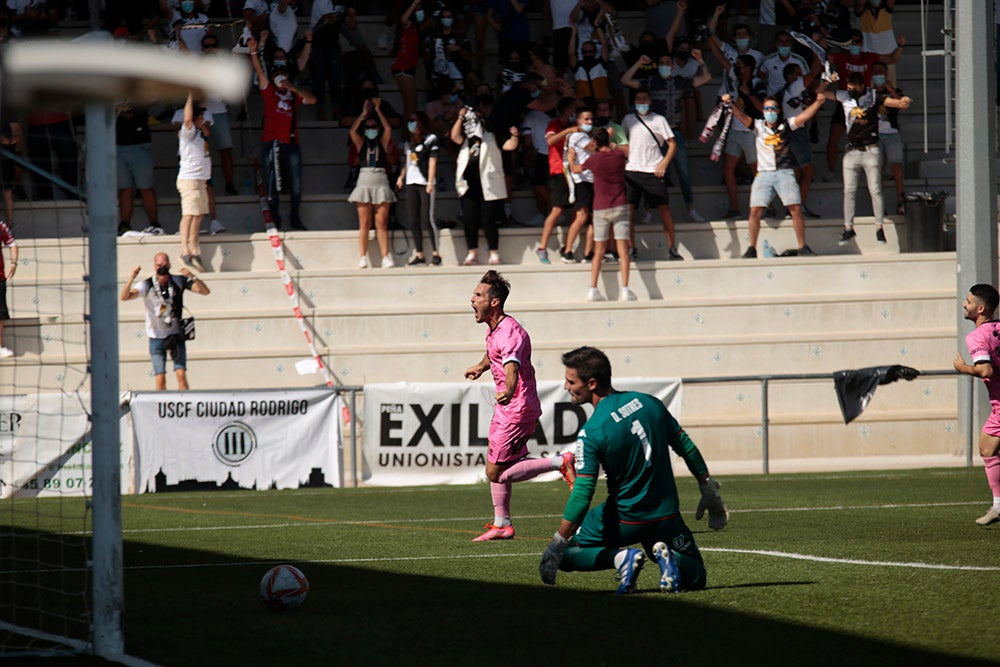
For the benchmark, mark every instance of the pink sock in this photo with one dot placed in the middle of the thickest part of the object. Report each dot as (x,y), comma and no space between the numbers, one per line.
(501,499)
(526,469)
(992,465)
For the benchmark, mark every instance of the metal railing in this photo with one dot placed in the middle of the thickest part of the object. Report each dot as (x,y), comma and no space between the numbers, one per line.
(765,419)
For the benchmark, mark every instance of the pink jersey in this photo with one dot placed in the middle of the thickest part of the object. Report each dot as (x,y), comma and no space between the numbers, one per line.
(984,345)
(510,342)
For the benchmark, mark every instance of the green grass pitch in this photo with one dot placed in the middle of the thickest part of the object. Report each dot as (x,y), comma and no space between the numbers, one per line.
(863,568)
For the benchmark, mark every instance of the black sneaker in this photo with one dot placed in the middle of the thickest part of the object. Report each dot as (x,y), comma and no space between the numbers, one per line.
(846,236)
(806,251)
(810,214)
(297,224)
(436,260)
(231,189)
(732,214)
(588,258)
(674,254)
(124,227)
(416,260)
(633,254)
(880,235)
(900,207)
(567,256)
(751,253)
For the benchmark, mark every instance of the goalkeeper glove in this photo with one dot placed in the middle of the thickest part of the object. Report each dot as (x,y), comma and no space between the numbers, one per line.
(552,558)
(718,515)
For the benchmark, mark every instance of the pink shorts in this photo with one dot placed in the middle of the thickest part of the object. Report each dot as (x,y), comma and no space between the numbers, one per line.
(508,440)
(991,427)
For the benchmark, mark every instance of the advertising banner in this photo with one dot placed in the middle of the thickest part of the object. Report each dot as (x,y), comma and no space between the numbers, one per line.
(45,447)
(279,438)
(436,433)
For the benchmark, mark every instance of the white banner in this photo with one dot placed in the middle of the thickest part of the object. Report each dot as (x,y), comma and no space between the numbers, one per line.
(281,439)
(45,447)
(436,433)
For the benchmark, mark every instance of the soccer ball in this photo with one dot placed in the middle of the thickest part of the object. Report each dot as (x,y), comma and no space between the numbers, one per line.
(284,587)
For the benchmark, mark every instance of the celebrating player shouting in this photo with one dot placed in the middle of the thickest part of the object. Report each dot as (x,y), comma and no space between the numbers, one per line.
(630,436)
(983,342)
(508,358)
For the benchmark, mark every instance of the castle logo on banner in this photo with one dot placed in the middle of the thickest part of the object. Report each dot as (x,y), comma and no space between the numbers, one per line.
(264,439)
(436,433)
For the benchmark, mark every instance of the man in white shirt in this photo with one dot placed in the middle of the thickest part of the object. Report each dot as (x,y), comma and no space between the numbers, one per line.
(194,171)
(772,69)
(651,148)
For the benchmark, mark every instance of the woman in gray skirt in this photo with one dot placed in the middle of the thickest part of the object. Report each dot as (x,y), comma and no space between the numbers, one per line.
(373,195)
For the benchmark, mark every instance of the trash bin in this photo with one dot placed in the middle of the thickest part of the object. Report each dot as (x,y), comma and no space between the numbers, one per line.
(925,221)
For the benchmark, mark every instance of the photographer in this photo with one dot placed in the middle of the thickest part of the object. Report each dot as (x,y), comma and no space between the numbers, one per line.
(163,296)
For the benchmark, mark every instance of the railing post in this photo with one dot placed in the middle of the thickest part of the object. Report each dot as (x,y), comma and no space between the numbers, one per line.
(354,436)
(764,425)
(970,431)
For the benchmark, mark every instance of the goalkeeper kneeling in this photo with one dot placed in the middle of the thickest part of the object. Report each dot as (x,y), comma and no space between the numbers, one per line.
(630,436)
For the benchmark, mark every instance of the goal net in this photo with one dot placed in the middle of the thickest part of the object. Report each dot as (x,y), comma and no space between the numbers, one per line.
(60,455)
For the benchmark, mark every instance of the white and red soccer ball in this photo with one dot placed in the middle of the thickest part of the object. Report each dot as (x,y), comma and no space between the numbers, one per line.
(284,587)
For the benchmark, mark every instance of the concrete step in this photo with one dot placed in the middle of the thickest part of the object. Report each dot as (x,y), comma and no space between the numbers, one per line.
(47,260)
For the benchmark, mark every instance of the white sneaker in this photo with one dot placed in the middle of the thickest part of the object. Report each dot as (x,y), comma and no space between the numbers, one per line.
(6,352)
(216,227)
(387,262)
(594,294)
(495,258)
(363,262)
(695,216)
(628,295)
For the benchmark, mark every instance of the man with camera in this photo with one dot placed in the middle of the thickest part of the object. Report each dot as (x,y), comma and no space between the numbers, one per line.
(163,296)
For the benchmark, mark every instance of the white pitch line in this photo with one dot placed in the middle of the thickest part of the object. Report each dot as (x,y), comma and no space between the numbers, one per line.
(853,561)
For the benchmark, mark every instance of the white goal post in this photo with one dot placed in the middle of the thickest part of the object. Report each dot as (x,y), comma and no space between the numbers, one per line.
(97,71)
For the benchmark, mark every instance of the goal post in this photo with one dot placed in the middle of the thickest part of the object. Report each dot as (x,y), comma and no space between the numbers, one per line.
(97,72)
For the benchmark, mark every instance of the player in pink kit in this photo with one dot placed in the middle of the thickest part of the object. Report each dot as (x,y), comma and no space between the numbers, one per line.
(984,349)
(508,358)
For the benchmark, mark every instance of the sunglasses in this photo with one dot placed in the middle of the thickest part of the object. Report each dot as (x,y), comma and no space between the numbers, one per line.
(770,108)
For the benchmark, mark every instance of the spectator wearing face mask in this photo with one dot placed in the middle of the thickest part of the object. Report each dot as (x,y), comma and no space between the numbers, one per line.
(776,167)
(448,53)
(417,180)
(890,141)
(373,195)
(590,70)
(855,59)
(861,105)
(796,96)
(479,180)
(280,133)
(666,95)
(773,67)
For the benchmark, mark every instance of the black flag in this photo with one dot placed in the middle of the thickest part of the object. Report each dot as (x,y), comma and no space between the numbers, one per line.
(855,388)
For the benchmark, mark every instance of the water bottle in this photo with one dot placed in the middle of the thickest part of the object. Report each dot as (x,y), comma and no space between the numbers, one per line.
(769,251)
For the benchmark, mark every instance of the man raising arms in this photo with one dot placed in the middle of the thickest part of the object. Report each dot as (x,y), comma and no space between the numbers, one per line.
(508,358)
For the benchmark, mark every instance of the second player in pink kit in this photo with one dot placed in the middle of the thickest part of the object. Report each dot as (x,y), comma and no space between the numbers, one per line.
(508,358)
(983,342)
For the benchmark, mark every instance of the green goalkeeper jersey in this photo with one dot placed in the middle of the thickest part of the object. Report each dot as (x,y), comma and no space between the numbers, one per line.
(630,436)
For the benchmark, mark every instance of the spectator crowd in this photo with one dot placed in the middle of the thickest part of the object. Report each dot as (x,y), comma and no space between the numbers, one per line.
(540,111)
